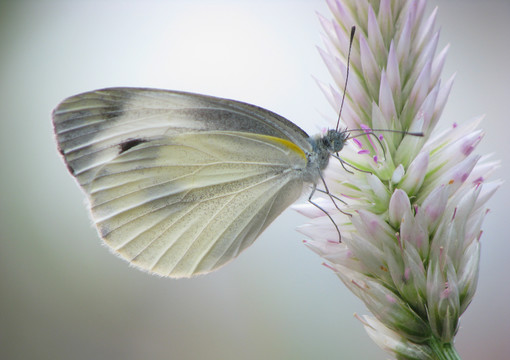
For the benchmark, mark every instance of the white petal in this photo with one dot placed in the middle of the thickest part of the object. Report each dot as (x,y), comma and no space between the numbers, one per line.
(370,68)
(399,205)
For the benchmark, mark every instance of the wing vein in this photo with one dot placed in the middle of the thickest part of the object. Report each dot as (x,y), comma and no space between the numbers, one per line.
(254,213)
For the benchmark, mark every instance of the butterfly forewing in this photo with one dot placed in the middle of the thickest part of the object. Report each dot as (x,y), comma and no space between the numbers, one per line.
(174,189)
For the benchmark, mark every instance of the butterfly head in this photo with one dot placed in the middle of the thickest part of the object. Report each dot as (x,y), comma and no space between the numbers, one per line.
(323,146)
(333,141)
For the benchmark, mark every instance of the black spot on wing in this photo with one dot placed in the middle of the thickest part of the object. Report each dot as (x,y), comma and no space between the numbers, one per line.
(130,143)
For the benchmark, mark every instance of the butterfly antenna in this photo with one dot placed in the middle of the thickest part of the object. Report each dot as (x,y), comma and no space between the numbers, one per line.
(366,131)
(353,30)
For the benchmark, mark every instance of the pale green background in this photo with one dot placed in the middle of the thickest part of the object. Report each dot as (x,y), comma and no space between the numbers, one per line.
(64,296)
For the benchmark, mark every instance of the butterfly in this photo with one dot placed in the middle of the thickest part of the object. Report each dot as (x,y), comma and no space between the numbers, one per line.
(180,184)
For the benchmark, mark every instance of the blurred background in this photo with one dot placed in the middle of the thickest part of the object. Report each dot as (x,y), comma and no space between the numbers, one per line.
(64,296)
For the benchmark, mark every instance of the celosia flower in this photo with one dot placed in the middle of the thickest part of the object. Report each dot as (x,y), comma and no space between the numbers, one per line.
(410,247)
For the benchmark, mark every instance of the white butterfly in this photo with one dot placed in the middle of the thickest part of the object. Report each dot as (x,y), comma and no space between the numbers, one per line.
(179,184)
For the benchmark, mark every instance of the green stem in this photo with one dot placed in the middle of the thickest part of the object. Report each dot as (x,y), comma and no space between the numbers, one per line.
(443,351)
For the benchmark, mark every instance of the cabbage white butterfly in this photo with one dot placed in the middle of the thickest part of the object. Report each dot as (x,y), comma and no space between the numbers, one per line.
(178,183)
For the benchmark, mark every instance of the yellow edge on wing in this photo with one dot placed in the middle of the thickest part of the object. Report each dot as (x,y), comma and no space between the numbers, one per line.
(285,143)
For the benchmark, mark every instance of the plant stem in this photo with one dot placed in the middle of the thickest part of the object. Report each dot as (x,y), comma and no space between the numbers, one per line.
(443,351)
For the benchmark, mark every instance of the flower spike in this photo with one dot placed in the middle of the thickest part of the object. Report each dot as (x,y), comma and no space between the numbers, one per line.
(411,245)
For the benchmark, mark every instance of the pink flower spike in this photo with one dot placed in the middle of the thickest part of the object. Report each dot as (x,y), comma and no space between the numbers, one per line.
(415,204)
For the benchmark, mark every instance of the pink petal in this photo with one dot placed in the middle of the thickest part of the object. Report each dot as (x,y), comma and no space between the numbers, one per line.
(393,72)
(375,38)
(438,64)
(398,206)
(386,103)
(369,66)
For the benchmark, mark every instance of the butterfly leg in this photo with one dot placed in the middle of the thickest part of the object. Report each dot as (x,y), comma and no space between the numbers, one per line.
(324,211)
(343,163)
(331,196)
